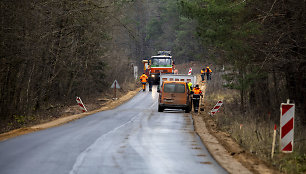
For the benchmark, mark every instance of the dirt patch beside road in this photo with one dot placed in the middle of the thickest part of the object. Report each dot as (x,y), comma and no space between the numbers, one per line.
(65,119)
(225,150)
(216,149)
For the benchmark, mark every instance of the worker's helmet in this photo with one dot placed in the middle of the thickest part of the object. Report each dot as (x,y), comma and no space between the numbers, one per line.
(197,86)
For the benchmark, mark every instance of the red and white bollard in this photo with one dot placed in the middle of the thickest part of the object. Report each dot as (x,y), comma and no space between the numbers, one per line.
(216,108)
(190,71)
(287,127)
(80,103)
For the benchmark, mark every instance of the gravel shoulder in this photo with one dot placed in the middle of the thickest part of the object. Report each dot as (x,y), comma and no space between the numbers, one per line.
(216,149)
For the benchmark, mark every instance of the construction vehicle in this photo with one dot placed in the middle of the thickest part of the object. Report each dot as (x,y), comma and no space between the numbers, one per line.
(174,92)
(160,64)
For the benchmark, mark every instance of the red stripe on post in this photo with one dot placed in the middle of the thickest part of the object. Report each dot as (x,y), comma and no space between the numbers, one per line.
(287,127)
(217,107)
(81,105)
(288,147)
(285,108)
(219,101)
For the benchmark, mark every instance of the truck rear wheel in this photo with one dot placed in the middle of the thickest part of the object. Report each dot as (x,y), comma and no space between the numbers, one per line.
(160,108)
(188,109)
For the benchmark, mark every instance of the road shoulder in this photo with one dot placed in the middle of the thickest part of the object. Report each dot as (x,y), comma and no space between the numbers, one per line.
(216,149)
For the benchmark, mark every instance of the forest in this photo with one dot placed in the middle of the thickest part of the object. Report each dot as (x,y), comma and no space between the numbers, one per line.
(54,50)
(264,44)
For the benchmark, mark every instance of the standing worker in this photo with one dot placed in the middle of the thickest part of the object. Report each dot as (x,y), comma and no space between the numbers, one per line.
(150,82)
(189,86)
(208,72)
(203,74)
(143,79)
(197,93)
(190,91)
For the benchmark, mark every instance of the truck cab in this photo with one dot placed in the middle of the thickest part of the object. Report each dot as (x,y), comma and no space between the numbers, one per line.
(174,95)
(161,64)
(157,65)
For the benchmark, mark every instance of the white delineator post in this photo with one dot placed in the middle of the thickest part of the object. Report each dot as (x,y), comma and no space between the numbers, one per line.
(273,142)
(190,71)
(287,127)
(216,108)
(80,103)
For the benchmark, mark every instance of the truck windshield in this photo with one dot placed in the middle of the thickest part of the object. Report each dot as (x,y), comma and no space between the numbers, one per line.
(161,62)
(174,88)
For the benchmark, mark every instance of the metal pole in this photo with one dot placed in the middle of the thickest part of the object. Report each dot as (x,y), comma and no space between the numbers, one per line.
(115,89)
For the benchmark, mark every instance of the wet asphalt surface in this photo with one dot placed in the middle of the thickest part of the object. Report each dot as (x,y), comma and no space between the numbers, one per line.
(133,138)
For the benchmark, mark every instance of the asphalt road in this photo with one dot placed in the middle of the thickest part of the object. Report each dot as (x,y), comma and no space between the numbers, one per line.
(133,138)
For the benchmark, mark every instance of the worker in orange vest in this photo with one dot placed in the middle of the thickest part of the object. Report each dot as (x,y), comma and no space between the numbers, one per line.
(208,72)
(143,79)
(197,94)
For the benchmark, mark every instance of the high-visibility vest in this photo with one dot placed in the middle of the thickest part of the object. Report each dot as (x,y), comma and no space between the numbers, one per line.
(202,72)
(208,70)
(197,91)
(189,86)
(143,78)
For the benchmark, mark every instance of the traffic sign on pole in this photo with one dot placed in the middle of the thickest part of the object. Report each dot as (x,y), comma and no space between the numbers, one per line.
(190,71)
(287,127)
(115,85)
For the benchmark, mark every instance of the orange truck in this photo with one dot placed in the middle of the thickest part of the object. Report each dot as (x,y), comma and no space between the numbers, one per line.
(160,64)
(174,92)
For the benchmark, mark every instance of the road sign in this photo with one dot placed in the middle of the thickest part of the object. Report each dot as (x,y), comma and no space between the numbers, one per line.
(287,127)
(216,108)
(115,85)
